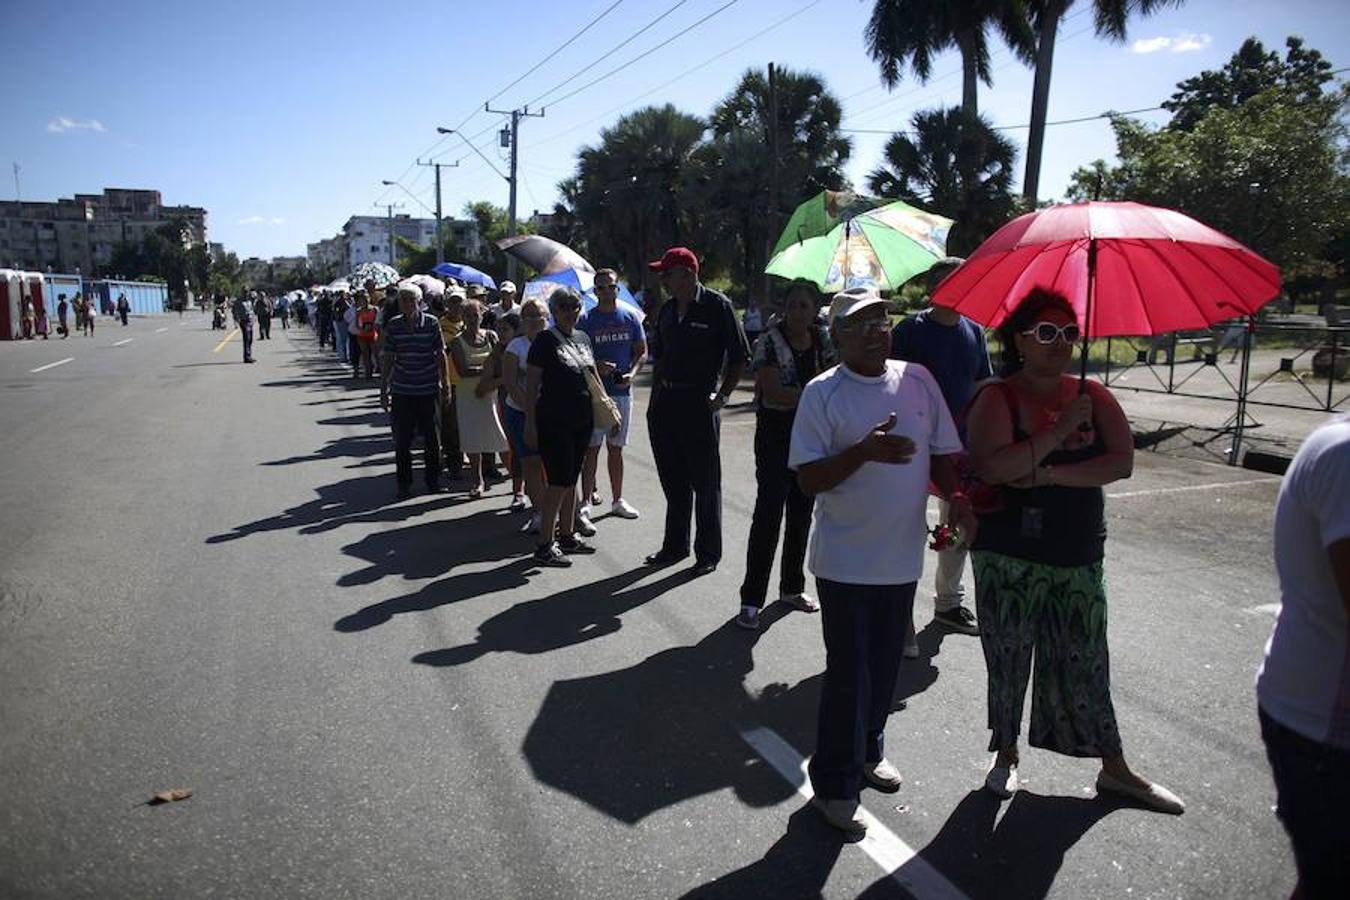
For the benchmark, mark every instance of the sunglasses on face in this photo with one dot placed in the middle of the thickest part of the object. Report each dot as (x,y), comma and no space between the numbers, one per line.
(867,326)
(1047,332)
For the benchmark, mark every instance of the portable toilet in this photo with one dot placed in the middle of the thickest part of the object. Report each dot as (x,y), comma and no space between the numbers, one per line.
(37,292)
(11,290)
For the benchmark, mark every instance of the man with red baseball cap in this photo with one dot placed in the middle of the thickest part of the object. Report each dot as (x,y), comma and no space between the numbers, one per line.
(700,351)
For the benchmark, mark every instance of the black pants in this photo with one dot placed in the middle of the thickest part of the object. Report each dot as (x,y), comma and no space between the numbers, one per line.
(285,322)
(325,329)
(264,328)
(864,626)
(1312,791)
(686,448)
(776,492)
(354,353)
(246,332)
(414,414)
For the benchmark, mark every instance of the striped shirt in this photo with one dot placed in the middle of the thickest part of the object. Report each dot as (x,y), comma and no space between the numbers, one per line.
(418,353)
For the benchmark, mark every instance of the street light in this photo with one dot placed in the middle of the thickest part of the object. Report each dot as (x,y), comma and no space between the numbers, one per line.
(416,199)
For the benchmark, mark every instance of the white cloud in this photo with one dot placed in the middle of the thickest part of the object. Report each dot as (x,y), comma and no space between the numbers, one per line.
(261,220)
(1189,42)
(1182,43)
(62,124)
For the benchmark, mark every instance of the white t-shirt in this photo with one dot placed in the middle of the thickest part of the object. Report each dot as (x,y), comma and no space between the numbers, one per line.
(350,318)
(520,349)
(871,528)
(1304,683)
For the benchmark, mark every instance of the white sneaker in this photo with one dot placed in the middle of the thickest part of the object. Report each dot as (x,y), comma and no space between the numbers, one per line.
(595,498)
(585,527)
(883,776)
(532,526)
(804,602)
(623,509)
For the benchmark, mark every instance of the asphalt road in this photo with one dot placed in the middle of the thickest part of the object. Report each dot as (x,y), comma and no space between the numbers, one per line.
(206,584)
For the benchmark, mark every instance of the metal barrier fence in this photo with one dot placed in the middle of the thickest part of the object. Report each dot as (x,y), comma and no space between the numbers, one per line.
(1289,364)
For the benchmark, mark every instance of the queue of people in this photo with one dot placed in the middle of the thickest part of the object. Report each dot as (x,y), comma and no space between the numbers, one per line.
(855,426)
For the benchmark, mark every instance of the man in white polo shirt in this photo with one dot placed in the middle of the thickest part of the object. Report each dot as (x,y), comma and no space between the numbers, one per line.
(868,436)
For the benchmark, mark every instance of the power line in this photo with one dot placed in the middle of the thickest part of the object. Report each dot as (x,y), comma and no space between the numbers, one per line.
(1105,115)
(686,73)
(478,108)
(619,68)
(565,44)
(599,59)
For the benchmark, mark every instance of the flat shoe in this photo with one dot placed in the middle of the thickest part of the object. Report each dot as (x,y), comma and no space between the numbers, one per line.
(1155,796)
(883,776)
(1002,781)
(845,815)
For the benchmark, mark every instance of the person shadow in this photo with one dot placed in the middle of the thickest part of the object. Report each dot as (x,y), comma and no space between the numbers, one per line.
(667,729)
(364,499)
(918,675)
(1016,857)
(559,620)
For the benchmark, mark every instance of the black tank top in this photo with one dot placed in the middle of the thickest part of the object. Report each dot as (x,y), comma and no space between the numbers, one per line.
(1053,525)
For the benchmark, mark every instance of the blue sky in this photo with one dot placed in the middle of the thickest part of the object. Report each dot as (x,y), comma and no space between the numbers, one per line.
(282,117)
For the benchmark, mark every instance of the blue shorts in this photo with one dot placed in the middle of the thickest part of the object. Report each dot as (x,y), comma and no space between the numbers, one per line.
(514,420)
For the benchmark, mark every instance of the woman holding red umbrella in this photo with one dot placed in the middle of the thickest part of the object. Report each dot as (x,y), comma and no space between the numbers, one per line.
(1052,442)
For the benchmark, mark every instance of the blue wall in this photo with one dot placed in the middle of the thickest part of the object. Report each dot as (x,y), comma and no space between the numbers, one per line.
(146,298)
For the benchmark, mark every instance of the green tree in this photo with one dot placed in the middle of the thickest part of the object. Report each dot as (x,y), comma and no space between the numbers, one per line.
(737,197)
(1301,76)
(1272,172)
(1110,18)
(915,31)
(226,276)
(929,169)
(634,190)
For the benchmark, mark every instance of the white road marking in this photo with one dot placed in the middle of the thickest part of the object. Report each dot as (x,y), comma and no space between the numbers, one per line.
(1193,487)
(123,341)
(896,858)
(161,330)
(59,362)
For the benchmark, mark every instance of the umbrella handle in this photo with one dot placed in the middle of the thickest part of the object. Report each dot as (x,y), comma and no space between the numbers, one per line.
(1087,322)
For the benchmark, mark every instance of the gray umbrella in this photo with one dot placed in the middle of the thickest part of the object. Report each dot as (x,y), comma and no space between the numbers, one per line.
(545,255)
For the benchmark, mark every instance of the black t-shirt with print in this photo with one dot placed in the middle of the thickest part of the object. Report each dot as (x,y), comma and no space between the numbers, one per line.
(563,393)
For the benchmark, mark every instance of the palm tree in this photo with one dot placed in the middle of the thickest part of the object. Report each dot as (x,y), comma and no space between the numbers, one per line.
(742,188)
(928,170)
(915,31)
(629,189)
(1110,18)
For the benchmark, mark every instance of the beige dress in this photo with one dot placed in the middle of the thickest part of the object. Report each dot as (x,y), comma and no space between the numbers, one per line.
(480,428)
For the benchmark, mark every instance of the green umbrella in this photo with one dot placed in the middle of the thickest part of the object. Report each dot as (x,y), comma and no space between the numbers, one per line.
(839,240)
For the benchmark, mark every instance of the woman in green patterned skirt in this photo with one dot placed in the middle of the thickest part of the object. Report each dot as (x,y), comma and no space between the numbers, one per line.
(1039,587)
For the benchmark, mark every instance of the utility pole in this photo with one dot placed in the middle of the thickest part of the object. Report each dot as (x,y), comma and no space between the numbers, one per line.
(389,213)
(17,196)
(772,237)
(440,241)
(513,136)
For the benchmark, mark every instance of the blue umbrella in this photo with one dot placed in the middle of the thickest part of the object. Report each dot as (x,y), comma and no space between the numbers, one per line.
(466,274)
(582,282)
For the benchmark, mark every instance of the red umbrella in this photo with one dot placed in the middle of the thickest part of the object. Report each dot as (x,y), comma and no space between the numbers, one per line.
(1127,268)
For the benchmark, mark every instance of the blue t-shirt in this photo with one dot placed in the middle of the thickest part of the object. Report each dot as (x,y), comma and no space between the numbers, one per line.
(613,335)
(955,354)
